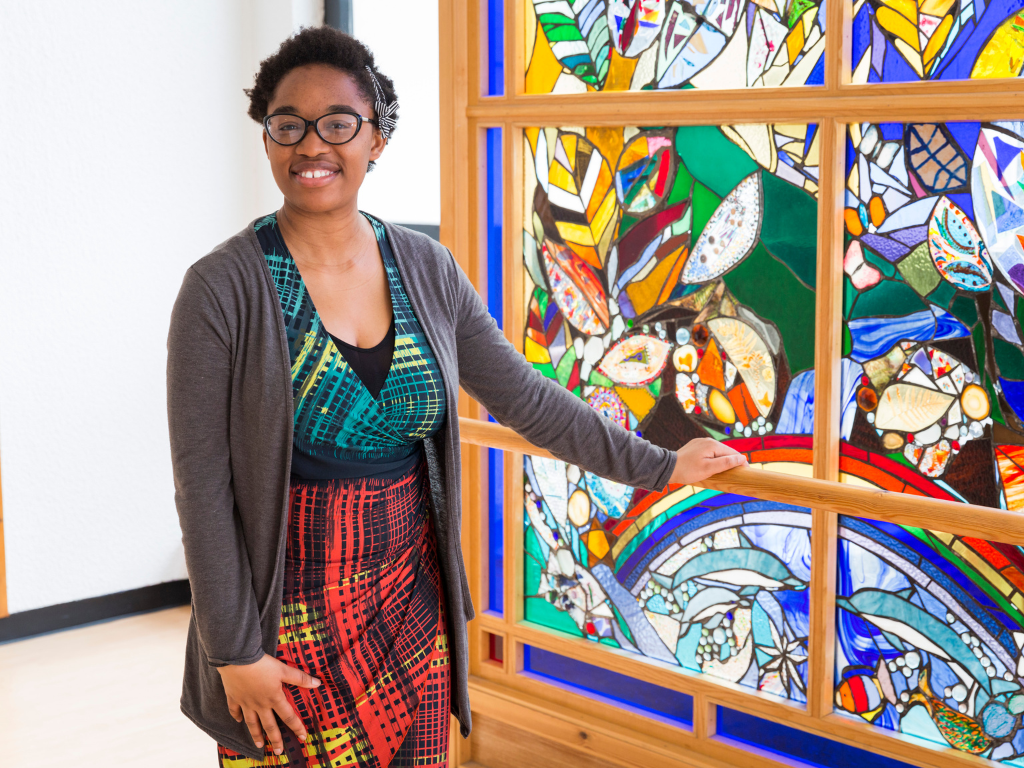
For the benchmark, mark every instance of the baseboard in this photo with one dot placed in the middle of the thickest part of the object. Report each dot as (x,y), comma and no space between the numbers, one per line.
(56,617)
(431,230)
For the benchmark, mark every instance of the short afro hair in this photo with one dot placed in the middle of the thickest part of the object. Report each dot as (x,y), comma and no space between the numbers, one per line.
(317,45)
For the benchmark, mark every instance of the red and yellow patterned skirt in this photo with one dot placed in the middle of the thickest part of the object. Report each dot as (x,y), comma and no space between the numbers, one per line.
(363,612)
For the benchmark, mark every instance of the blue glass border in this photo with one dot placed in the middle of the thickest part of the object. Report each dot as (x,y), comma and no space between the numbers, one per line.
(495,304)
(613,688)
(495,47)
(795,745)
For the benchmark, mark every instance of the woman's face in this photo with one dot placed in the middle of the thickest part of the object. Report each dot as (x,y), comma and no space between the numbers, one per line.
(315,176)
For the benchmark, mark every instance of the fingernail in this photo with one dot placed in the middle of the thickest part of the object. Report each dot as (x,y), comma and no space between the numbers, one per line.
(259,745)
(315,681)
(278,751)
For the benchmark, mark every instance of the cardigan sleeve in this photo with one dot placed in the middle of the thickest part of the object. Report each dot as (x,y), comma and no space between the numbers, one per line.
(199,363)
(546,414)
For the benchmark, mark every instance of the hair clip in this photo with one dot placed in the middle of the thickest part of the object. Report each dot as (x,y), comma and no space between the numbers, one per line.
(384,110)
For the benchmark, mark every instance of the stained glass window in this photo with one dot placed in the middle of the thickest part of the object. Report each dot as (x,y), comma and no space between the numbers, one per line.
(621,45)
(910,40)
(647,252)
(929,625)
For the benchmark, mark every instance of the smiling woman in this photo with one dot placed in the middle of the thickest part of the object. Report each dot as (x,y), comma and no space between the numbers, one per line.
(314,366)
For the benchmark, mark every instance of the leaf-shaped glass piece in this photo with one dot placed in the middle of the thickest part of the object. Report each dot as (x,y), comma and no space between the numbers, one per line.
(636,360)
(749,353)
(582,198)
(577,290)
(997,191)
(580,42)
(730,234)
(957,249)
(634,24)
(645,173)
(910,408)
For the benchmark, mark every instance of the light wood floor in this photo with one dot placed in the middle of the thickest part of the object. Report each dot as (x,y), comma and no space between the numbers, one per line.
(99,697)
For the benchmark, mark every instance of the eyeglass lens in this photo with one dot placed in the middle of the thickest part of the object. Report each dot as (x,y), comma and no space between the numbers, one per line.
(335,129)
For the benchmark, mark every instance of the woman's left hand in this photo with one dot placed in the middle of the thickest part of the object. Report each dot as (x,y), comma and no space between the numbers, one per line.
(702,457)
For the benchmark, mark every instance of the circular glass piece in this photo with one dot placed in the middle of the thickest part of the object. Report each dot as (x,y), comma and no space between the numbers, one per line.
(974,402)
(867,399)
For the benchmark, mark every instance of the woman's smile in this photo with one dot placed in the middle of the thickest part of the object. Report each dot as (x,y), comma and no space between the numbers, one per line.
(314,174)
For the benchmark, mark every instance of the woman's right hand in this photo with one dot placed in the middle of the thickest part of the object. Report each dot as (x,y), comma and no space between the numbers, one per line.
(255,692)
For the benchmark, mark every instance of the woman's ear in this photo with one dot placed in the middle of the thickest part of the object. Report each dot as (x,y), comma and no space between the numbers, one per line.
(377,147)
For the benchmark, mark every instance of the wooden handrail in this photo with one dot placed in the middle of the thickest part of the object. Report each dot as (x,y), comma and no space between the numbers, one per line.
(841,498)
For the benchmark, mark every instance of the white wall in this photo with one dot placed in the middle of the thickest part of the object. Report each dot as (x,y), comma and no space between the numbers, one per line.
(405,187)
(126,154)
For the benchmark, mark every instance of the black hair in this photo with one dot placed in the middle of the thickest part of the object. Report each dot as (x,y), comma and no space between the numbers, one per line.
(318,45)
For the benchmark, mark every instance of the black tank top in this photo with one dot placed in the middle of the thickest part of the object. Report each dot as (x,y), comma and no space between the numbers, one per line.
(371,365)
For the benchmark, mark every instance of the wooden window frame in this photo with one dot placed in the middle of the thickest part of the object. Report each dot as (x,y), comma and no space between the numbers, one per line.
(465,114)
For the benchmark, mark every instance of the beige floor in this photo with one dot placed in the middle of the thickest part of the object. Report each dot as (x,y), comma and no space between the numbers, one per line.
(104,696)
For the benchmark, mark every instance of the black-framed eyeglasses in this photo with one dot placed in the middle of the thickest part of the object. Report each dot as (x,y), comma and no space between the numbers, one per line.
(334,128)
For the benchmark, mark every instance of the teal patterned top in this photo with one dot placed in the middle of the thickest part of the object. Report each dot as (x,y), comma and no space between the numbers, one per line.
(341,430)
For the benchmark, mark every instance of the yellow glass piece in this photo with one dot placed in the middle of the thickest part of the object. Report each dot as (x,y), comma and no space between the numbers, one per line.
(911,54)
(575,233)
(898,24)
(579,509)
(907,9)
(531,136)
(937,41)
(569,142)
(1003,55)
(561,177)
(535,353)
(603,221)
(544,67)
(789,468)
(607,140)
(721,408)
(936,8)
(658,285)
(795,42)
(597,543)
(620,73)
(974,402)
(639,401)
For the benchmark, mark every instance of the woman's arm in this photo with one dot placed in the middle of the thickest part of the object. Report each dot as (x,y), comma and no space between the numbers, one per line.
(198,401)
(518,396)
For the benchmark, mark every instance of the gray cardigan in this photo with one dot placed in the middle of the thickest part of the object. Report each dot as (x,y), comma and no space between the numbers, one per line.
(229,404)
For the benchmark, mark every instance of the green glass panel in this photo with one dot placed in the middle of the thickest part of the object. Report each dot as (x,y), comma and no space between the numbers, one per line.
(789,303)
(919,271)
(704,204)
(537,609)
(943,294)
(847,340)
(882,265)
(965,309)
(789,229)
(712,158)
(888,298)
(1009,359)
(850,295)
(546,369)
